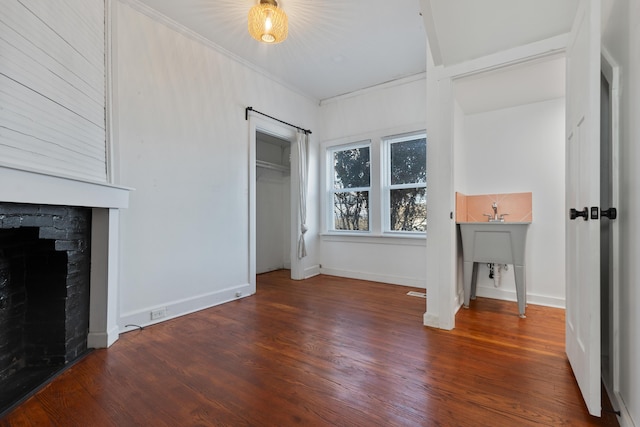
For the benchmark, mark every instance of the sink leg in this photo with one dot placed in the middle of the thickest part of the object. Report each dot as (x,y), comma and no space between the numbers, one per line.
(520,289)
(467,275)
(474,280)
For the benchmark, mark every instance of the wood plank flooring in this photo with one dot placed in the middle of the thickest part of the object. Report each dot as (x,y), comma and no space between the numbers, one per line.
(326,351)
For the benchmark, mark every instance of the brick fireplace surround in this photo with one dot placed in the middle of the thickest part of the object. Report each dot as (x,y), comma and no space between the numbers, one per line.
(66,232)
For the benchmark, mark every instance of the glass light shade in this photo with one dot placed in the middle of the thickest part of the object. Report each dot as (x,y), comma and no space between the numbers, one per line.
(267,22)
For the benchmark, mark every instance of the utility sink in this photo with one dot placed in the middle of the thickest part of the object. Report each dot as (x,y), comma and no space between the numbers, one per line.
(494,242)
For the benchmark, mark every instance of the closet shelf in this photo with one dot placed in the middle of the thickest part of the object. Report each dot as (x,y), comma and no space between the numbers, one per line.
(272,166)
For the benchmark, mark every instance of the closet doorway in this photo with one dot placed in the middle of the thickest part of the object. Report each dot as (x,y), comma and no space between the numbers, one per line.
(284,145)
(273,203)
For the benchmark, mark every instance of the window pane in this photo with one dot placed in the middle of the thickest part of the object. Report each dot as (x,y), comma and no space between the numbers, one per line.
(408,209)
(409,162)
(351,210)
(351,168)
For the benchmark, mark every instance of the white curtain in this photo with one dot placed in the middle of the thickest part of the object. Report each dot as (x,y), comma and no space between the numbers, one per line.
(303,158)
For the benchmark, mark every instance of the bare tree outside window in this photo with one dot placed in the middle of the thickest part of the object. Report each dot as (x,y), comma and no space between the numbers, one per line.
(397,187)
(407,185)
(351,186)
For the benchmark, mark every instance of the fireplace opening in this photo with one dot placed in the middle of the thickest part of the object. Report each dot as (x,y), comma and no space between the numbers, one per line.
(44,294)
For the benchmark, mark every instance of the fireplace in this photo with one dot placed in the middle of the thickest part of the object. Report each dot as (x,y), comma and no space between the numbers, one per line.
(80,208)
(44,293)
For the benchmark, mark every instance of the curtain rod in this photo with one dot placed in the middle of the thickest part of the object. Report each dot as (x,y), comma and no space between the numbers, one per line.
(246,117)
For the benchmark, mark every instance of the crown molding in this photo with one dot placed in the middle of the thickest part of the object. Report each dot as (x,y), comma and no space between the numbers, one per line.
(374,88)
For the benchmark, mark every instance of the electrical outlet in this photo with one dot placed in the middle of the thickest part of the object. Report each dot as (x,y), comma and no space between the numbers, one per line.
(159,313)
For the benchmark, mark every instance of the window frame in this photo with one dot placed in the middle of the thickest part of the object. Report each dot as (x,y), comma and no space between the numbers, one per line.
(387,187)
(377,212)
(331,190)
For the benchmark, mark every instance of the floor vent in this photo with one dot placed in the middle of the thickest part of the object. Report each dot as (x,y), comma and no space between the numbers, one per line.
(417,294)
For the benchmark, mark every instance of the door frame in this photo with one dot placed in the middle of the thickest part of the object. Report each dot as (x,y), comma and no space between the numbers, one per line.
(443,278)
(258,124)
(611,70)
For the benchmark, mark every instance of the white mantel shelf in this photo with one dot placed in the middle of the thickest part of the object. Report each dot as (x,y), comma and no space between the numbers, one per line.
(22,186)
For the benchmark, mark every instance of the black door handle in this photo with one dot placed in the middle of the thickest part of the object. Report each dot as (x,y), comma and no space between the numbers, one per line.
(610,213)
(573,213)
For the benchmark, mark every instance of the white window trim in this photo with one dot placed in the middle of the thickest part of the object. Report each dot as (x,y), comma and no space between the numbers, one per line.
(330,191)
(376,233)
(387,186)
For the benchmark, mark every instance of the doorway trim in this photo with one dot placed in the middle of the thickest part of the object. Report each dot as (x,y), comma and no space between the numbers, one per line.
(270,127)
(442,274)
(611,71)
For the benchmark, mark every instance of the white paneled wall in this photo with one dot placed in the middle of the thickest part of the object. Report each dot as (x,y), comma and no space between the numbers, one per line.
(52,87)
(514,150)
(183,144)
(385,110)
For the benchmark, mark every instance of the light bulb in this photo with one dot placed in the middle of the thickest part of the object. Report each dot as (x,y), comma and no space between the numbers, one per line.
(268,37)
(267,22)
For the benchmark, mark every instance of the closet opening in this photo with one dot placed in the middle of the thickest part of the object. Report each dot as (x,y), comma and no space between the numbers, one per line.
(273,203)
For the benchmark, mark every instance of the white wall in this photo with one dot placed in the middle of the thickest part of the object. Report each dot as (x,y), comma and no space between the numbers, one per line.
(460,178)
(273,220)
(442,293)
(460,149)
(183,144)
(621,38)
(385,110)
(513,150)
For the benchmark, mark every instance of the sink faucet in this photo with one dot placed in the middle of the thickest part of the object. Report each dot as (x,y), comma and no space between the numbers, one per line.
(495,217)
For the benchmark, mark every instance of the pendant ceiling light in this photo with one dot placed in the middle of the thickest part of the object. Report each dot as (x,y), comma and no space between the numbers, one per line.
(267,22)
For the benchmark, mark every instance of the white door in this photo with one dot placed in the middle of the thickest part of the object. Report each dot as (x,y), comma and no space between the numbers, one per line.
(583,195)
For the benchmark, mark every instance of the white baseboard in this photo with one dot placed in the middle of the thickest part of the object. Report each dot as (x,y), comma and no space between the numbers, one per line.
(182,307)
(459,300)
(624,419)
(431,320)
(510,295)
(103,339)
(393,280)
(314,270)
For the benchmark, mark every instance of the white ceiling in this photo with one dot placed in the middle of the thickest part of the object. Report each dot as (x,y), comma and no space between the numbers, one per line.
(340,46)
(520,84)
(461,30)
(334,46)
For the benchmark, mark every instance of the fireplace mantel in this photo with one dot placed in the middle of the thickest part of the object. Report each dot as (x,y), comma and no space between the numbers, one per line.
(106,200)
(21,186)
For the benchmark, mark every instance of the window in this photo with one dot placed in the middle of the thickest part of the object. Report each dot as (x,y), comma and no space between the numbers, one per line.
(406,183)
(351,176)
(378,186)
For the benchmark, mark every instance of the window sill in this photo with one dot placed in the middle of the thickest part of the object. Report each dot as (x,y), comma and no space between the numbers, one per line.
(404,239)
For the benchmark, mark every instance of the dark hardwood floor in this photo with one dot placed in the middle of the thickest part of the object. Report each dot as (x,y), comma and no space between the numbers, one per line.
(322,352)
